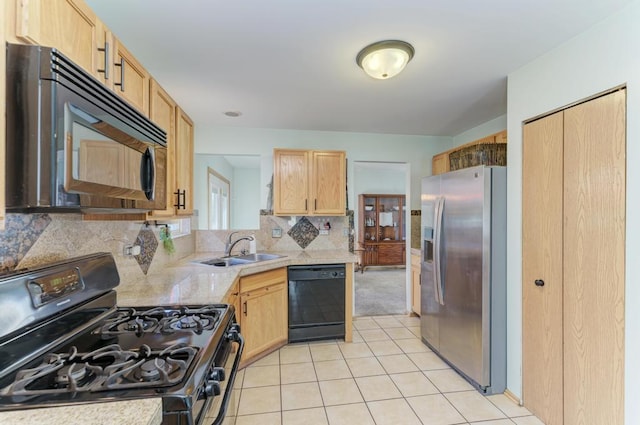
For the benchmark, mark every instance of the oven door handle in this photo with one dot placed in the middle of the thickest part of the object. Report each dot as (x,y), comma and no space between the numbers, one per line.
(235,336)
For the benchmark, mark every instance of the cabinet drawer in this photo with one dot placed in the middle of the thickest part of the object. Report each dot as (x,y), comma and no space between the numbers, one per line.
(261,280)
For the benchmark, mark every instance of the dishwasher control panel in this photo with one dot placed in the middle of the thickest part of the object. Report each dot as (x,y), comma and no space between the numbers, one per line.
(329,271)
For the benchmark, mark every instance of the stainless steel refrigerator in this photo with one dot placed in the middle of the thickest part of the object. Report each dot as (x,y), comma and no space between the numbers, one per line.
(463,273)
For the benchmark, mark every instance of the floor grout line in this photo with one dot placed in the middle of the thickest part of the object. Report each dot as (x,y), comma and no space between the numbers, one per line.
(387,331)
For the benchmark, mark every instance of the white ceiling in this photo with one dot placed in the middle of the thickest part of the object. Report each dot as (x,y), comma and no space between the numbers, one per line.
(291,63)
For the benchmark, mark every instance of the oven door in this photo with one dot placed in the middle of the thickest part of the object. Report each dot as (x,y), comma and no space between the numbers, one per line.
(102,159)
(218,397)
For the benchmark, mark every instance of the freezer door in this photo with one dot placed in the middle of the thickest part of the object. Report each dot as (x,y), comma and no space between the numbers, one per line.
(429,308)
(429,305)
(465,249)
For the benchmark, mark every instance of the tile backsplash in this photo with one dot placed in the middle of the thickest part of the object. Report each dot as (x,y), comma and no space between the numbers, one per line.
(30,240)
(275,234)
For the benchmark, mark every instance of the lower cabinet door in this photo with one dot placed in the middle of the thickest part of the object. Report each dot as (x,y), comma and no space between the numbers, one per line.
(263,319)
(390,254)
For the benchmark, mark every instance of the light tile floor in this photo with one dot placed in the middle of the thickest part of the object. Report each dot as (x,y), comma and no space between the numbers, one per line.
(386,376)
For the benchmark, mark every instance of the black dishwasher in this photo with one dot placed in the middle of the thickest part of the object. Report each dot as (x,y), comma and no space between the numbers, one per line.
(316,302)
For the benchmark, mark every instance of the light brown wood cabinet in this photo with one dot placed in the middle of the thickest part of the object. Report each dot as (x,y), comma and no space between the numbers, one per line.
(162,111)
(573,263)
(184,163)
(381,235)
(74,29)
(309,182)
(263,312)
(233,298)
(179,127)
(3,70)
(130,79)
(441,163)
(68,25)
(415,283)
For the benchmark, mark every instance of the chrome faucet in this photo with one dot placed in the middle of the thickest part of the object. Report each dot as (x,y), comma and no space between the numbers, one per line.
(228,247)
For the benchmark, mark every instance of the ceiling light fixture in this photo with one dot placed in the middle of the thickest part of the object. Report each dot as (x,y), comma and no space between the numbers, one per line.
(385,59)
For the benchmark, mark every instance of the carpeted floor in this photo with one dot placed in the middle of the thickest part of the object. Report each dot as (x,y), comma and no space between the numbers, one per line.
(380,292)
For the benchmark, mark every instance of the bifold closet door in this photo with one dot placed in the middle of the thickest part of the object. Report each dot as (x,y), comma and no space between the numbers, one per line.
(574,171)
(542,267)
(594,259)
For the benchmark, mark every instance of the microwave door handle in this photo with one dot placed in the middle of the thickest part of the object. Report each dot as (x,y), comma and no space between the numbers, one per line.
(147,173)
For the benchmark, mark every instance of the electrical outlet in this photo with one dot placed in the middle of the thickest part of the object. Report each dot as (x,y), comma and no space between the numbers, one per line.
(131,250)
(345,231)
(276,232)
(324,232)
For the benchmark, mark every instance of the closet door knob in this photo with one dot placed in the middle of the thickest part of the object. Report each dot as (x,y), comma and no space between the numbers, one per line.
(539,282)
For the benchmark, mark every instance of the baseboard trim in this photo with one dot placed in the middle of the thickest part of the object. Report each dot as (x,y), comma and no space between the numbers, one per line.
(511,396)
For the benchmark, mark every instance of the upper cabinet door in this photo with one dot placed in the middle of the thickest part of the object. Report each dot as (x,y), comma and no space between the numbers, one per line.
(290,182)
(130,79)
(328,182)
(68,25)
(184,162)
(163,113)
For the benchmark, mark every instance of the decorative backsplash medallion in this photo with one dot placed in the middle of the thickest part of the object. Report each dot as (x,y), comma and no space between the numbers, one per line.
(148,246)
(303,232)
(20,233)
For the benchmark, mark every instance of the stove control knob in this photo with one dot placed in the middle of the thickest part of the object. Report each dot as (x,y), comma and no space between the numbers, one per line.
(212,389)
(218,374)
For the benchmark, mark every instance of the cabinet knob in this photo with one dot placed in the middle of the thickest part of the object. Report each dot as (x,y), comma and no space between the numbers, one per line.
(539,282)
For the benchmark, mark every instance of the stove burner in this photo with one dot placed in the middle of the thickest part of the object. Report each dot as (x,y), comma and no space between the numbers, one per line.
(160,320)
(150,370)
(107,368)
(187,322)
(70,373)
(136,324)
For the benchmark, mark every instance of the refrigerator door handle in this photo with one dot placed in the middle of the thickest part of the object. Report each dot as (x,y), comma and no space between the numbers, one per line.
(437,240)
(436,251)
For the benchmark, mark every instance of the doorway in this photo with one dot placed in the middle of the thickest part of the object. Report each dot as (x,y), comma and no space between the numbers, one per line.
(394,284)
(219,200)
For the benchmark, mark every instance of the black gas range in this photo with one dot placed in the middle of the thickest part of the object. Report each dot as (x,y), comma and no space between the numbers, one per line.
(64,340)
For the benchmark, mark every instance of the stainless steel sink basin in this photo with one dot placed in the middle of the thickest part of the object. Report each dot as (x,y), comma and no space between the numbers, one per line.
(223,262)
(259,256)
(238,260)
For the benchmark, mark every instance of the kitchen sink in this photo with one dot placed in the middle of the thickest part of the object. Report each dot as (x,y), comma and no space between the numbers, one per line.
(259,256)
(238,260)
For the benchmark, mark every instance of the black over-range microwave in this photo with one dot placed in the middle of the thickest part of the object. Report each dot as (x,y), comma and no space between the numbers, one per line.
(74,145)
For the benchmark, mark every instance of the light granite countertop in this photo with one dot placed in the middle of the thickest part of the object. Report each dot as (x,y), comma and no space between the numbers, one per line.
(187,282)
(134,412)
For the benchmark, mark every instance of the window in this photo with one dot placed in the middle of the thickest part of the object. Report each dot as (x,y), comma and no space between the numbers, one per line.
(219,201)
